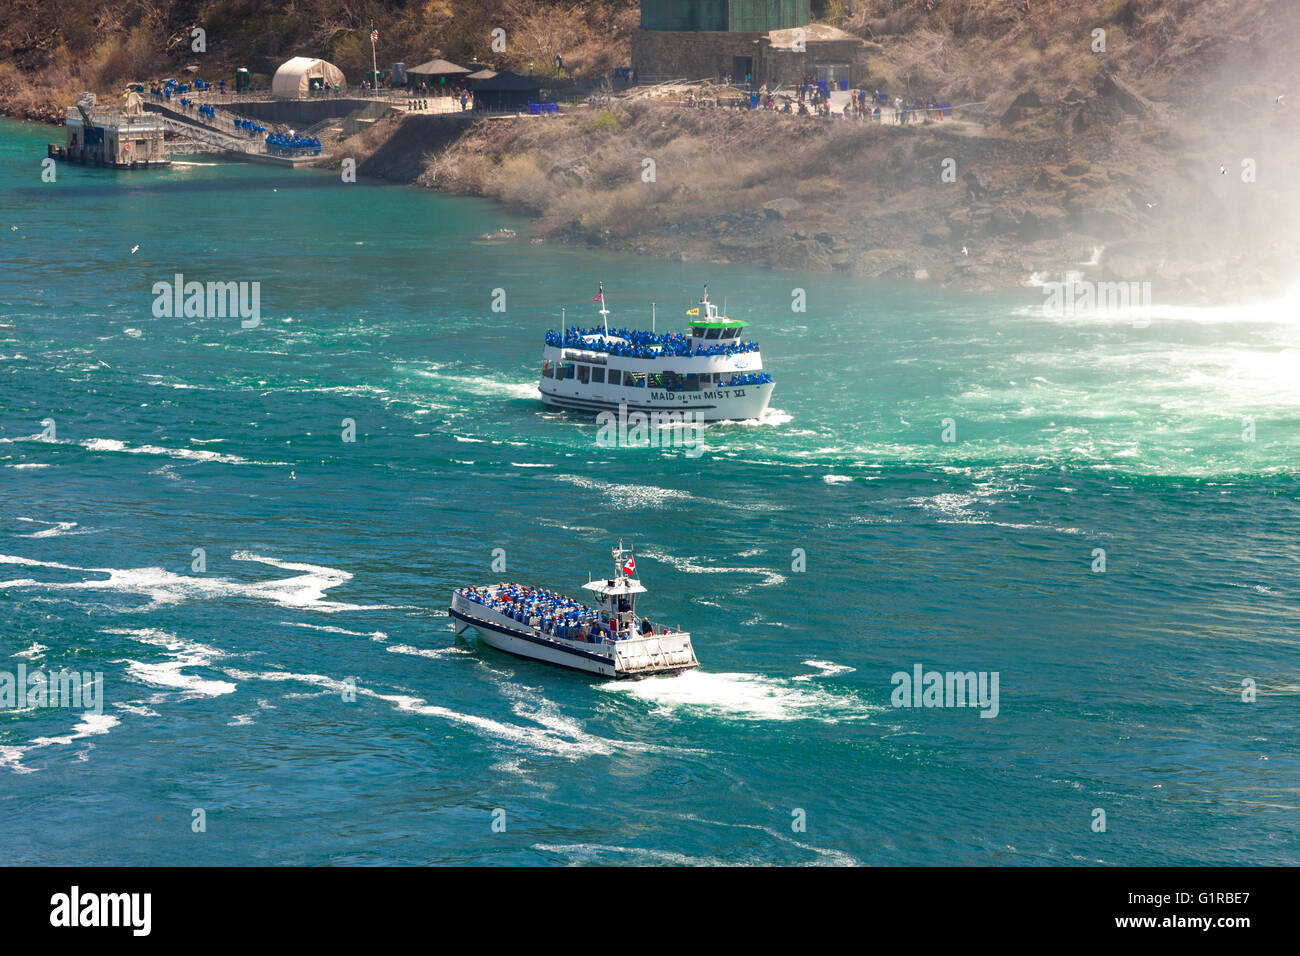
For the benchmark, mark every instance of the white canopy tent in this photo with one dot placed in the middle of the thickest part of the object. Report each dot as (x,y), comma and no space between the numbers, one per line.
(293,78)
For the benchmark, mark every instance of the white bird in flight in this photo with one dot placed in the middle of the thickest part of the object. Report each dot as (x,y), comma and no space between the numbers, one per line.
(134,250)
(964,252)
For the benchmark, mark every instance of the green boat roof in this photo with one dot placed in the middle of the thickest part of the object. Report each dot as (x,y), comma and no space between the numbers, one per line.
(719,323)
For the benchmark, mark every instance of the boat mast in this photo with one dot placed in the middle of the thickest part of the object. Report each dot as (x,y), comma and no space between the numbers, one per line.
(604,312)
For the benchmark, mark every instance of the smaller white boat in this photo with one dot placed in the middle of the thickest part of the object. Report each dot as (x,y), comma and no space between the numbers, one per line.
(608,639)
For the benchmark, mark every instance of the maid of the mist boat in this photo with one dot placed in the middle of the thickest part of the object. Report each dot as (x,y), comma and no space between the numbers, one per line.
(608,639)
(706,371)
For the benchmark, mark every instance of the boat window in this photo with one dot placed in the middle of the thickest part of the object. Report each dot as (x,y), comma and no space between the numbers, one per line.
(565,370)
(598,375)
(547,371)
(634,378)
(712,333)
(730,333)
(584,373)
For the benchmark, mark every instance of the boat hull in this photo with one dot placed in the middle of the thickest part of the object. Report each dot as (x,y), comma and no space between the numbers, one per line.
(634,658)
(521,645)
(741,403)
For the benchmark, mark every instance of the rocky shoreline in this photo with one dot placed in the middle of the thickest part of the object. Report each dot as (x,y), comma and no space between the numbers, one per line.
(1019,202)
(1084,188)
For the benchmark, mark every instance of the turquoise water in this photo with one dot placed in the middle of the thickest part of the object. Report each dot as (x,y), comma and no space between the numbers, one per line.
(329,562)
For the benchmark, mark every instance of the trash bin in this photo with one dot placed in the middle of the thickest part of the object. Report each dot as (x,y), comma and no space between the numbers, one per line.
(844,85)
(243,80)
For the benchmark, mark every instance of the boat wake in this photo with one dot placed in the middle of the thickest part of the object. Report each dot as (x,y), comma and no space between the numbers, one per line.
(743,697)
(304,591)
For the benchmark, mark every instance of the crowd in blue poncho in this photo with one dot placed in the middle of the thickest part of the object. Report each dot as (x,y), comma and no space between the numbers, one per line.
(249,127)
(554,614)
(749,378)
(641,344)
(282,144)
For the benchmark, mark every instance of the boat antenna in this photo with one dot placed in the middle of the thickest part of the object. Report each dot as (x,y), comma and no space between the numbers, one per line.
(652,317)
(604,312)
(561,326)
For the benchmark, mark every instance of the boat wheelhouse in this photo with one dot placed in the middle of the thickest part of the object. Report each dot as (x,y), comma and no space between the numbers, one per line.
(607,639)
(709,370)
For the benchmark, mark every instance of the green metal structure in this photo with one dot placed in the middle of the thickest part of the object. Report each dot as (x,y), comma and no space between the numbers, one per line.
(738,16)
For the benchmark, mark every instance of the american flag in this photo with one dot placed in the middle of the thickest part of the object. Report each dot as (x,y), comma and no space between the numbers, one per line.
(374,36)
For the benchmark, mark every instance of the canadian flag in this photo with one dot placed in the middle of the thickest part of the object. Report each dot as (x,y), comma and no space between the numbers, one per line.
(630,567)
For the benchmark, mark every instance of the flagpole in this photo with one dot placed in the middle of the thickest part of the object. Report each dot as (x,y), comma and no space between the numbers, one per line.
(652,317)
(374,63)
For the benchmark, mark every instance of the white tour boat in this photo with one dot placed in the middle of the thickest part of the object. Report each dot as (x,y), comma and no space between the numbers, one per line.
(707,371)
(609,639)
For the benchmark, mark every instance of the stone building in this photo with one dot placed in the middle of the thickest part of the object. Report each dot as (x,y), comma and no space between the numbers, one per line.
(769,40)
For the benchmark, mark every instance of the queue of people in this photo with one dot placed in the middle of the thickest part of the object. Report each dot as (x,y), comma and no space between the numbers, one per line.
(292,144)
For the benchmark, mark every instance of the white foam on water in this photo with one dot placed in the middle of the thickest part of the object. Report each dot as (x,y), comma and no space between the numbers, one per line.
(629,496)
(169,674)
(331,629)
(595,853)
(33,652)
(11,758)
(426,651)
(29,465)
(239,720)
(827,668)
(57,529)
(836,479)
(689,566)
(771,417)
(742,697)
(304,591)
(543,739)
(32,563)
(134,333)
(90,725)
(137,708)
(485,385)
(188,454)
